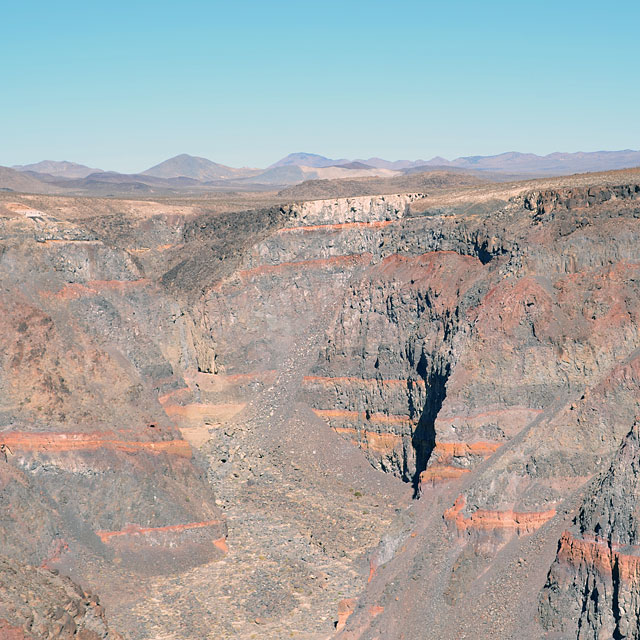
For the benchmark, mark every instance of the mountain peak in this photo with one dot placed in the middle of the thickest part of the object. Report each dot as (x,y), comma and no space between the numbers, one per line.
(303,159)
(187,166)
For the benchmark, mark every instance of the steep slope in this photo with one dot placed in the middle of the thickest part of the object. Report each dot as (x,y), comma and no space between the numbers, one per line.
(94,473)
(539,386)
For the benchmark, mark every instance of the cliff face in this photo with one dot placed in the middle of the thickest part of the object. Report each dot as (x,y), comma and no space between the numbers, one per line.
(540,363)
(380,380)
(593,587)
(87,449)
(160,367)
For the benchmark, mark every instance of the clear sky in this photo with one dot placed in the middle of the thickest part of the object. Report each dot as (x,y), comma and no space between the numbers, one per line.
(124,85)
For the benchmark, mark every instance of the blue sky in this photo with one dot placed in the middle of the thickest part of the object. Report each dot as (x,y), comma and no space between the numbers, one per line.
(124,85)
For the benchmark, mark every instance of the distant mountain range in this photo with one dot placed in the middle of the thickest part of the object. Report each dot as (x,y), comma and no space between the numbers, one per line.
(58,169)
(511,162)
(552,164)
(185,173)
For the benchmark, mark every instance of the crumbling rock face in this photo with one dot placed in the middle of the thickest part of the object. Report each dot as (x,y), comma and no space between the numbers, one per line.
(541,387)
(551,200)
(381,379)
(593,587)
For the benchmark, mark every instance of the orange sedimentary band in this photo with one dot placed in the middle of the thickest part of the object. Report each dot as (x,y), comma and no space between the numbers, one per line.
(442,473)
(94,287)
(599,554)
(339,227)
(254,375)
(522,522)
(460,449)
(372,570)
(345,608)
(221,543)
(136,530)
(361,416)
(167,396)
(327,381)
(381,443)
(319,263)
(25,441)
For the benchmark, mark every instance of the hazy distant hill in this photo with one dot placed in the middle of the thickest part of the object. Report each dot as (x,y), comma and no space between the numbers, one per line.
(59,168)
(197,168)
(395,165)
(511,162)
(295,174)
(356,164)
(363,186)
(552,164)
(12,180)
(301,159)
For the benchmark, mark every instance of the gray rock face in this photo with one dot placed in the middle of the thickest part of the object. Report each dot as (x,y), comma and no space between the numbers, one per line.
(593,587)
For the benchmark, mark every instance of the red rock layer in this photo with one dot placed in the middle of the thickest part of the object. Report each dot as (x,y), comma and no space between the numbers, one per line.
(345,608)
(56,442)
(443,458)
(378,443)
(137,530)
(10,632)
(361,416)
(440,474)
(96,287)
(522,522)
(599,554)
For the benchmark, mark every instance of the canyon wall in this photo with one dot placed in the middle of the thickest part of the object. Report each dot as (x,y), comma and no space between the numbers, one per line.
(161,369)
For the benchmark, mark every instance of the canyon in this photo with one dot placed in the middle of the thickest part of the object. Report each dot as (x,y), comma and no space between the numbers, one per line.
(376,416)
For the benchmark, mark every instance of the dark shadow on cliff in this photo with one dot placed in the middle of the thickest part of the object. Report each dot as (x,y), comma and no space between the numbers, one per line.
(424,437)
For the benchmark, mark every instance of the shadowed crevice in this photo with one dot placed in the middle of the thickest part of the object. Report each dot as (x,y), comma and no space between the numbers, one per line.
(424,436)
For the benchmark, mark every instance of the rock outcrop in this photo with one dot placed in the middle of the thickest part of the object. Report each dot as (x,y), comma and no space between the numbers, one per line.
(593,587)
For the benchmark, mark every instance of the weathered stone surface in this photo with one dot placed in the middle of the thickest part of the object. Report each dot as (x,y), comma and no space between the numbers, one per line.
(593,587)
